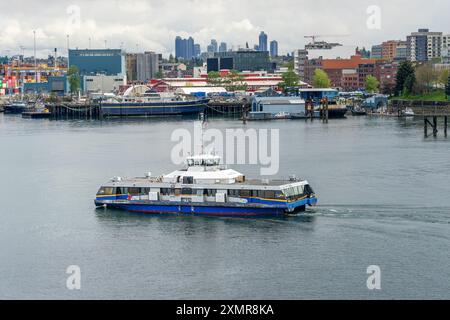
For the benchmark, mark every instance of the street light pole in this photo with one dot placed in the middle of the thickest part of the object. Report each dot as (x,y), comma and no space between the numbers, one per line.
(35,62)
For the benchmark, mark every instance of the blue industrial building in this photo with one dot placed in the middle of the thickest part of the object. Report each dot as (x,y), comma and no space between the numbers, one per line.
(98,61)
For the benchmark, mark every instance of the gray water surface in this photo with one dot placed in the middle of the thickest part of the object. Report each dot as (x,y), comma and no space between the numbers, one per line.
(384,194)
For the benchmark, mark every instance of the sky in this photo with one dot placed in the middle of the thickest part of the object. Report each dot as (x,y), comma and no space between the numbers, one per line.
(148,25)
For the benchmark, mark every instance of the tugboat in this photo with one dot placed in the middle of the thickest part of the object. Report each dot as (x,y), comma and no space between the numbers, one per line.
(205,187)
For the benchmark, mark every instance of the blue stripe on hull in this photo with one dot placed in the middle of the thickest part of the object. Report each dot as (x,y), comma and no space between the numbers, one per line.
(199,210)
(210,210)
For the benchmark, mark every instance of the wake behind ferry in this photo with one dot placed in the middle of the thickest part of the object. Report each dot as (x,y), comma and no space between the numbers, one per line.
(205,187)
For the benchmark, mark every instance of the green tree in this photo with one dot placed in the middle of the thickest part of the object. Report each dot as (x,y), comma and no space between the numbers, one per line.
(214,78)
(320,79)
(74,79)
(443,76)
(409,84)
(290,79)
(371,84)
(159,74)
(405,70)
(234,81)
(289,65)
(426,77)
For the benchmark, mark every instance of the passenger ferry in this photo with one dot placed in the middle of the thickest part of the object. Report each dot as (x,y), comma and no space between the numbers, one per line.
(205,187)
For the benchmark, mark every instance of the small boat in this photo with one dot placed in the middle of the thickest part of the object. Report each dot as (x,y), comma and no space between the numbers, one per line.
(358,111)
(16,107)
(38,114)
(282,115)
(408,112)
(205,187)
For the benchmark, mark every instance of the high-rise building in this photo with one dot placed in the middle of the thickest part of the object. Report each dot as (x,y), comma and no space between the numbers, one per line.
(214,45)
(147,65)
(262,41)
(424,45)
(223,47)
(300,63)
(197,50)
(273,48)
(190,48)
(445,51)
(389,49)
(401,52)
(179,47)
(184,48)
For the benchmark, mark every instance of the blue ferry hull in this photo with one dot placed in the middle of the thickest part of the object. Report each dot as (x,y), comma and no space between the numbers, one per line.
(208,209)
(154,109)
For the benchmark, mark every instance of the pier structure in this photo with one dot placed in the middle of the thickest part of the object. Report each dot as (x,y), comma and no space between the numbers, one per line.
(431,111)
(74,111)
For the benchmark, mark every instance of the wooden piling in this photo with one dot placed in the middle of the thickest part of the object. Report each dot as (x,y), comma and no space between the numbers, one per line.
(445,125)
(435,130)
(425,126)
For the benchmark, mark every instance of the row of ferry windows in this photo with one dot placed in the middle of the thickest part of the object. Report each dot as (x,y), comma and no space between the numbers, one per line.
(267,194)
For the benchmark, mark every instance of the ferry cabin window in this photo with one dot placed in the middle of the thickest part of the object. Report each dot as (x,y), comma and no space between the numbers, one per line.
(270,195)
(105,190)
(134,191)
(210,192)
(165,191)
(308,189)
(233,193)
(188,180)
(245,193)
(177,191)
(187,191)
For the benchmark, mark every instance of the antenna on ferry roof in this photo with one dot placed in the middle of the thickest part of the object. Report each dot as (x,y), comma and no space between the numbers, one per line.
(202,117)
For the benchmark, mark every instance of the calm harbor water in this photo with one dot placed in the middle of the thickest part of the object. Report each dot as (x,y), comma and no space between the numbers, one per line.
(384,200)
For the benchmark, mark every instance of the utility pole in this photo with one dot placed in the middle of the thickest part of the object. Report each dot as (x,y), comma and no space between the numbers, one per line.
(35,62)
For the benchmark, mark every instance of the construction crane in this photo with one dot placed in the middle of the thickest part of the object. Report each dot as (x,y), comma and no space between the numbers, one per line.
(322,44)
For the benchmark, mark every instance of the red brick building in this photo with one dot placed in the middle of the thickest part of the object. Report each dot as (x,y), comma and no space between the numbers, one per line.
(350,74)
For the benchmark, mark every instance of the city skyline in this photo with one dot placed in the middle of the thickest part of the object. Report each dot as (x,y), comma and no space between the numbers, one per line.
(149,25)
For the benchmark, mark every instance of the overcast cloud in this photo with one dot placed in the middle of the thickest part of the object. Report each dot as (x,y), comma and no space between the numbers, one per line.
(153,25)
